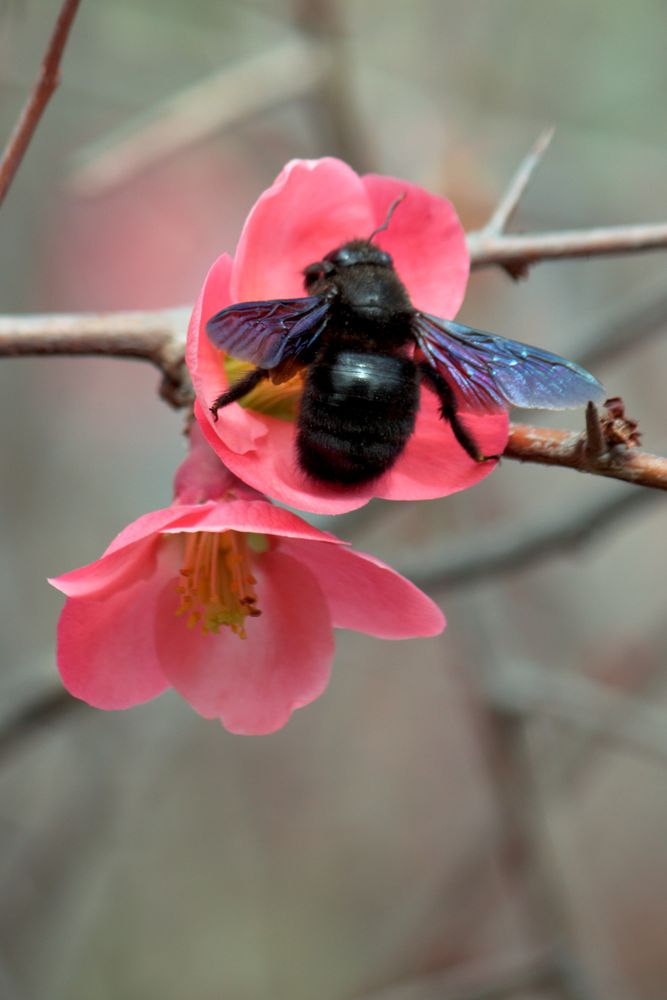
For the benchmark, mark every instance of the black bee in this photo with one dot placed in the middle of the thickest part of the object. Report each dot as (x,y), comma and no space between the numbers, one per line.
(366,350)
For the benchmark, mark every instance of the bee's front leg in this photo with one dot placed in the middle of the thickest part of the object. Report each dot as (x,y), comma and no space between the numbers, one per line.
(239,389)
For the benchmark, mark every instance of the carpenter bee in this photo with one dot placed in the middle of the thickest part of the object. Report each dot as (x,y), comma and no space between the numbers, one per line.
(366,350)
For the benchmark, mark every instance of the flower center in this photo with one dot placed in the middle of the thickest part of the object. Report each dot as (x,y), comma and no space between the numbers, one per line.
(275,400)
(216,582)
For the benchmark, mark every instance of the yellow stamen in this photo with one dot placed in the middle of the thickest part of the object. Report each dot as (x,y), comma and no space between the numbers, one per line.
(216,584)
(275,400)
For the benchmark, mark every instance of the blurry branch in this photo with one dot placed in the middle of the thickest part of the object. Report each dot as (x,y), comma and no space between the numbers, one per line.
(525,851)
(233,94)
(501,978)
(42,90)
(158,337)
(645,316)
(577,701)
(319,67)
(566,761)
(312,66)
(336,114)
(497,554)
(46,708)
(424,942)
(491,245)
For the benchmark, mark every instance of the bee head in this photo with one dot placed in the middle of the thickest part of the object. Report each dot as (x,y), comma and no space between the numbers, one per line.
(358,252)
(349,255)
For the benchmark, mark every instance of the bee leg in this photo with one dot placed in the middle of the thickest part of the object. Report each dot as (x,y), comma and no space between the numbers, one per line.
(449,412)
(239,389)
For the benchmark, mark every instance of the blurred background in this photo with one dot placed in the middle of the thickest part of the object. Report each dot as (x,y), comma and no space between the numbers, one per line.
(478,815)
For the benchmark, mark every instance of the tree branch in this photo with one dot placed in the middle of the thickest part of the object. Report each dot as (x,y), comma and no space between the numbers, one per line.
(44,87)
(547,446)
(158,337)
(517,253)
(491,246)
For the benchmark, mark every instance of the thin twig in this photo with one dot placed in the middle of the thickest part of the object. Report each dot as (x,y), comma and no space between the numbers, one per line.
(518,253)
(509,202)
(546,446)
(498,553)
(44,87)
(492,246)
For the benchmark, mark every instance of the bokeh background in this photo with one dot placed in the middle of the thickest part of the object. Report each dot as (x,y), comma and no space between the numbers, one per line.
(485,810)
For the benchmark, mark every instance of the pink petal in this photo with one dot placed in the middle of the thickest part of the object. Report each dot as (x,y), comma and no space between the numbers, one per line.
(254,685)
(213,297)
(148,525)
(434,464)
(110,572)
(106,648)
(257,516)
(129,553)
(366,595)
(312,207)
(272,469)
(426,241)
(240,429)
(132,550)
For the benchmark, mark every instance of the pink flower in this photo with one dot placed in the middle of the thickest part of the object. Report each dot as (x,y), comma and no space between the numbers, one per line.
(311,208)
(229,600)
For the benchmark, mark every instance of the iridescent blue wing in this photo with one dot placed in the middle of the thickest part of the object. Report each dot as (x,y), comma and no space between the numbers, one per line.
(269,333)
(491,373)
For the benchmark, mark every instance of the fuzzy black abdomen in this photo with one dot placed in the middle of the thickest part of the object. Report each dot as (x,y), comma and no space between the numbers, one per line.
(357,412)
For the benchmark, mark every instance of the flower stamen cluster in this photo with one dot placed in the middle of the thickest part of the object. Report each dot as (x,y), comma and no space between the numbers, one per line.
(216,583)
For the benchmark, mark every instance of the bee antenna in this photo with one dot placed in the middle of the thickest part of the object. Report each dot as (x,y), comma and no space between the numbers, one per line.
(392,208)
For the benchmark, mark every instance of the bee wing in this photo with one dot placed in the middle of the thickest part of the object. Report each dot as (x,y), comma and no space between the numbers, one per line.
(492,373)
(269,333)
